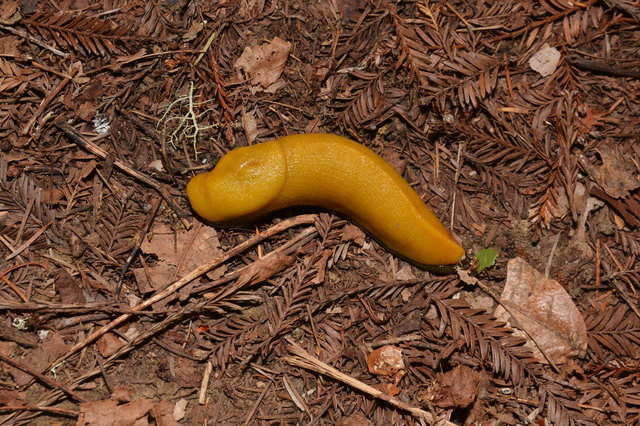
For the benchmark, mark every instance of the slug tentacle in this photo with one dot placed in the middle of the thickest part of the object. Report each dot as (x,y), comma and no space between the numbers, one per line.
(328,171)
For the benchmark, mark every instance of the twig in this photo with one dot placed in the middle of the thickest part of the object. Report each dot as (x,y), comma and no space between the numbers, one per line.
(247,420)
(455,183)
(56,410)
(602,68)
(45,102)
(34,40)
(171,289)
(27,243)
(75,136)
(552,252)
(304,360)
(202,395)
(155,205)
(542,22)
(43,378)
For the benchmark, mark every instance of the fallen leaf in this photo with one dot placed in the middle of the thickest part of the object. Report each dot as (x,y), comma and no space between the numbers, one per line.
(109,344)
(457,388)
(386,361)
(12,397)
(545,61)
(356,419)
(351,9)
(260,270)
(123,394)
(250,126)
(68,288)
(108,413)
(186,250)
(264,64)
(180,409)
(389,388)
(163,413)
(8,9)
(193,31)
(353,233)
(616,176)
(541,307)
(405,273)
(9,45)
(39,358)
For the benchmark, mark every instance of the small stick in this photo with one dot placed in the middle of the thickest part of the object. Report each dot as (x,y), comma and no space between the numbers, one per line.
(43,378)
(27,243)
(195,273)
(256,405)
(45,102)
(202,395)
(304,360)
(56,410)
(34,40)
(96,150)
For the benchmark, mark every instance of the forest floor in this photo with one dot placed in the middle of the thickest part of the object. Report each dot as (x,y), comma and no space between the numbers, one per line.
(517,122)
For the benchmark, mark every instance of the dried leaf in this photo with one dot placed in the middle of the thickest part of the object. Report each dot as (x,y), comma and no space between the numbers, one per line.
(541,307)
(616,176)
(107,413)
(386,361)
(264,64)
(458,388)
(545,60)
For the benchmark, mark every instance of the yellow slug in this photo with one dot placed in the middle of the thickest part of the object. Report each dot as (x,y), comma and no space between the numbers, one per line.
(327,171)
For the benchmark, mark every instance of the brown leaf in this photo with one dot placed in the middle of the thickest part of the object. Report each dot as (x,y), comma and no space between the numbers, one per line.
(123,394)
(541,307)
(109,344)
(8,8)
(250,126)
(109,413)
(353,233)
(9,45)
(264,268)
(12,397)
(264,64)
(356,419)
(186,250)
(39,358)
(68,289)
(389,388)
(617,175)
(458,388)
(386,361)
(163,413)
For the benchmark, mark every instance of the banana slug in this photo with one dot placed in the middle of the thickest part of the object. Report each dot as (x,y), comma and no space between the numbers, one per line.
(327,171)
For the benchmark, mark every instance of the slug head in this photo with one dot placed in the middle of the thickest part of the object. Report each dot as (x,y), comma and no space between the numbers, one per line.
(241,186)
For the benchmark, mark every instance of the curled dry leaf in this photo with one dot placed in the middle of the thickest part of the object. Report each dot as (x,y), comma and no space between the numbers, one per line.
(543,309)
(457,388)
(109,344)
(250,126)
(264,64)
(545,61)
(385,361)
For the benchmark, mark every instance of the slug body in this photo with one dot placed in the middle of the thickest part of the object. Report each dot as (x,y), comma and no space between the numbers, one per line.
(328,171)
